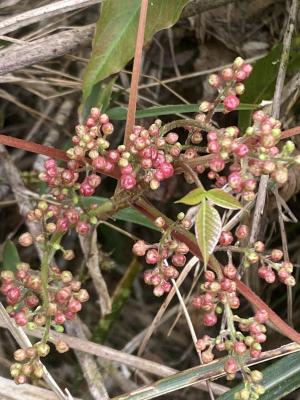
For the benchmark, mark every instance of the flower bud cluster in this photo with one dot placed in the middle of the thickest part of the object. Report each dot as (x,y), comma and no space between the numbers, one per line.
(229,85)
(167,257)
(272,264)
(216,294)
(28,363)
(57,218)
(23,292)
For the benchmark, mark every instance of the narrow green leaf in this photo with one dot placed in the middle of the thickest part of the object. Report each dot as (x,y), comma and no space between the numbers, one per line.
(280,379)
(126,214)
(120,113)
(223,199)
(193,197)
(10,256)
(115,36)
(175,382)
(208,229)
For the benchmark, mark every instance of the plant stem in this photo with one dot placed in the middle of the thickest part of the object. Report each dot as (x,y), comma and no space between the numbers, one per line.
(47,258)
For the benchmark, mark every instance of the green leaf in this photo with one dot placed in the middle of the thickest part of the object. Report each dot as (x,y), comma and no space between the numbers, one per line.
(261,83)
(208,229)
(223,199)
(126,214)
(115,36)
(10,256)
(280,379)
(120,113)
(193,197)
(100,97)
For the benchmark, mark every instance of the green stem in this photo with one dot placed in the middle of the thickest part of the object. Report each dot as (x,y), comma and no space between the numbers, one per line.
(48,255)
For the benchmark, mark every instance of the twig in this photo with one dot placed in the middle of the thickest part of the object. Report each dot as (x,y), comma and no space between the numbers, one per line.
(136,71)
(37,14)
(44,49)
(89,247)
(192,331)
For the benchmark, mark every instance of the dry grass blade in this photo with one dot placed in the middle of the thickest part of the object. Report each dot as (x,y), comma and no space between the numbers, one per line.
(37,14)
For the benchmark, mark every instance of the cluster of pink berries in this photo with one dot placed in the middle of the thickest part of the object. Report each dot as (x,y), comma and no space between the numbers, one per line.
(167,256)
(28,363)
(23,292)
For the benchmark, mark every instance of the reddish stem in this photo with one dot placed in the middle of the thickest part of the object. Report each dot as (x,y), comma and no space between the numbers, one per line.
(44,150)
(290,132)
(136,72)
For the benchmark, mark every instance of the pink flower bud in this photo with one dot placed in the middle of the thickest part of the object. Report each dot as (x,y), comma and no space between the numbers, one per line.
(217,164)
(231,103)
(231,366)
(127,181)
(21,318)
(13,295)
(94,180)
(62,225)
(82,228)
(85,189)
(74,306)
(107,128)
(210,319)
(104,119)
(139,248)
(25,239)
(226,238)
(152,256)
